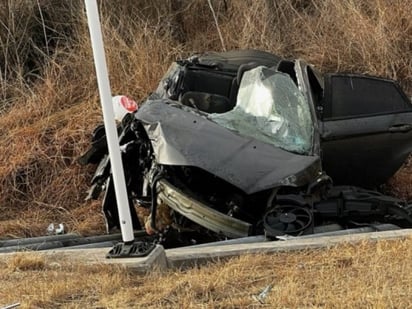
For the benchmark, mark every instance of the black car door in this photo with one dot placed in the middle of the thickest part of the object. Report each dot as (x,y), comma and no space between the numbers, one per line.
(366,129)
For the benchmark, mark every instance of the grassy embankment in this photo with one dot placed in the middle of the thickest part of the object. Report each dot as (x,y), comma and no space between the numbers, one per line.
(49,106)
(49,101)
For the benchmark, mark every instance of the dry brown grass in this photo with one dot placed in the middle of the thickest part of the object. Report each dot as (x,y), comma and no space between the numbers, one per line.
(53,111)
(367,275)
(49,106)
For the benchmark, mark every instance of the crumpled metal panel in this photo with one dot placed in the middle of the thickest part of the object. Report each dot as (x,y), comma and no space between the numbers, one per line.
(201,213)
(180,136)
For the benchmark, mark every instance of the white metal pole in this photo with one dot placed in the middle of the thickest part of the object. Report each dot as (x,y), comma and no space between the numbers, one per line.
(126,225)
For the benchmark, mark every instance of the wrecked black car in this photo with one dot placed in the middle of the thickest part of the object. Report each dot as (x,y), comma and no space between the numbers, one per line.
(245,143)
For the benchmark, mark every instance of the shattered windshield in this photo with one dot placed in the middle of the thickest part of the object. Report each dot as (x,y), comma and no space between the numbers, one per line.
(270,108)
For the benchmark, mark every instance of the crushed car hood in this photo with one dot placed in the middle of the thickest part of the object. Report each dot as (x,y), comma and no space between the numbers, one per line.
(185,138)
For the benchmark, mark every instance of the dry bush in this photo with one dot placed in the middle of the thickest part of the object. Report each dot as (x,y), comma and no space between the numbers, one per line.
(373,37)
(31,34)
(47,72)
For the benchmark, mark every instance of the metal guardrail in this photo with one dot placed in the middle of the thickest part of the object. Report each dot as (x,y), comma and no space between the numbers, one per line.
(73,241)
